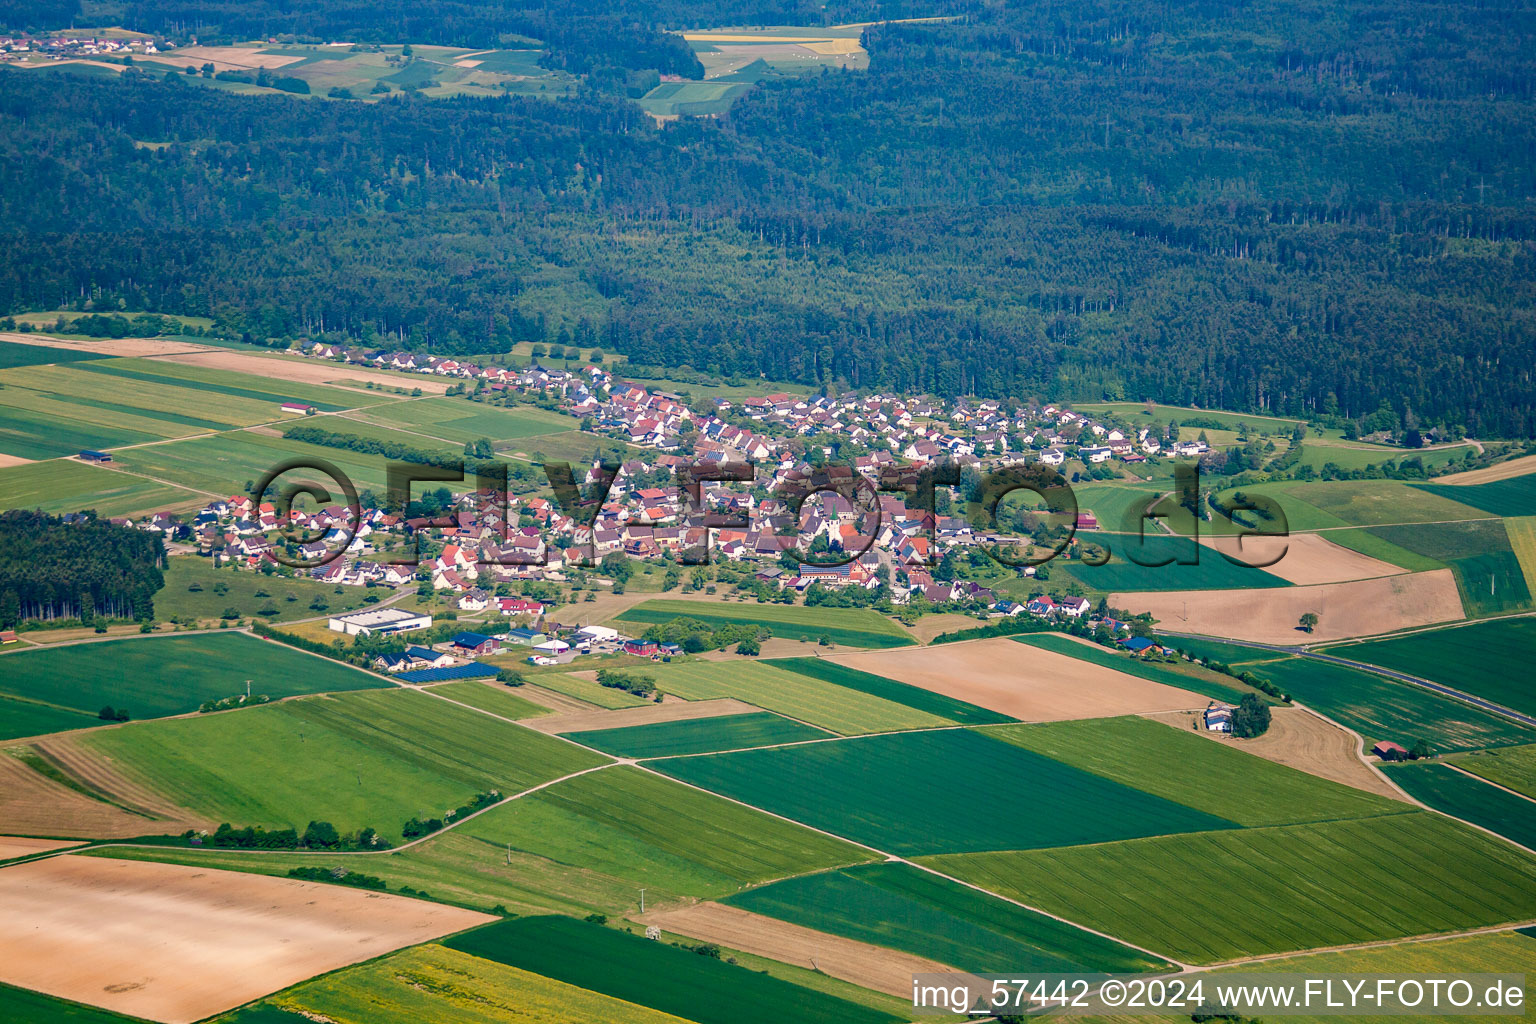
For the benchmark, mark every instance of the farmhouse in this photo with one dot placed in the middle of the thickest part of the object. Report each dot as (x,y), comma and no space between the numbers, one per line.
(91,455)
(298,408)
(1389,751)
(640,648)
(1218,718)
(379,620)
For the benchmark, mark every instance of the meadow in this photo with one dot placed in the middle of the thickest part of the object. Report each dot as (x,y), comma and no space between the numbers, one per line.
(905,908)
(1366,541)
(174,401)
(1378,502)
(1116,506)
(15,353)
(939,792)
(1471,799)
(461,420)
(698,735)
(31,427)
(1488,574)
(1375,707)
(812,701)
(586,689)
(30,718)
(358,760)
(915,697)
(162,675)
(1177,765)
(1515,496)
(1488,659)
(68,486)
(435,983)
(1514,767)
(652,974)
(252,594)
(1301,886)
(854,627)
(1185,677)
(498,700)
(1187,565)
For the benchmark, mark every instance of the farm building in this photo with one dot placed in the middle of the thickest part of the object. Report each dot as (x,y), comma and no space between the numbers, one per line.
(438,675)
(474,645)
(425,657)
(1218,718)
(1087,521)
(552,647)
(524,635)
(298,408)
(597,633)
(640,648)
(378,620)
(1389,751)
(9,637)
(91,455)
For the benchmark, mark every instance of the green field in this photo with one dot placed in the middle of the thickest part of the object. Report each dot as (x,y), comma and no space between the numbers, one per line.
(1446,789)
(914,697)
(434,983)
(227,383)
(1116,506)
(1522,541)
(1377,502)
(585,845)
(41,432)
(1136,414)
(225,463)
(1125,572)
(698,735)
(662,977)
(1374,706)
(1178,765)
(1488,574)
(15,353)
(68,486)
(498,700)
(587,690)
(1185,677)
(1507,952)
(1215,896)
(902,907)
(357,760)
(692,98)
(946,791)
(31,718)
(154,676)
(1365,540)
(21,1006)
(820,704)
(1514,767)
(274,598)
(1515,496)
(461,420)
(855,627)
(1488,659)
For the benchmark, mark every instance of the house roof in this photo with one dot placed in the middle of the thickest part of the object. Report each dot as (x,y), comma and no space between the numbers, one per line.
(471,639)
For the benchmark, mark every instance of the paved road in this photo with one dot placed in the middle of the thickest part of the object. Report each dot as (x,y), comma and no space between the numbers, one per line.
(1428,684)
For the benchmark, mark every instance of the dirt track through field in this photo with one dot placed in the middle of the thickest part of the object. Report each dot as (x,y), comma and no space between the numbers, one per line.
(678,711)
(304,371)
(111,347)
(560,703)
(177,944)
(884,970)
(1031,684)
(29,802)
(97,771)
(1304,741)
(1304,558)
(1270,616)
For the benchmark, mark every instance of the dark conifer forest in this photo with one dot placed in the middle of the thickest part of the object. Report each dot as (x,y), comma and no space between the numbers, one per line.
(1299,207)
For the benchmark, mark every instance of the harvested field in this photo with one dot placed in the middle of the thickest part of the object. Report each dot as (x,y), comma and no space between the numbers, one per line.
(1500,471)
(12,460)
(884,970)
(177,944)
(672,711)
(930,626)
(224,57)
(31,802)
(20,846)
(1033,685)
(1307,559)
(1299,739)
(317,371)
(110,346)
(559,703)
(1360,608)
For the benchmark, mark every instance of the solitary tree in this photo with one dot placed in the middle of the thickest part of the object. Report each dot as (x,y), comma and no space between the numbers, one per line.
(1309,621)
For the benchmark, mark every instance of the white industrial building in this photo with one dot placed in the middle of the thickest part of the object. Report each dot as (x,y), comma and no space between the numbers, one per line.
(379,620)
